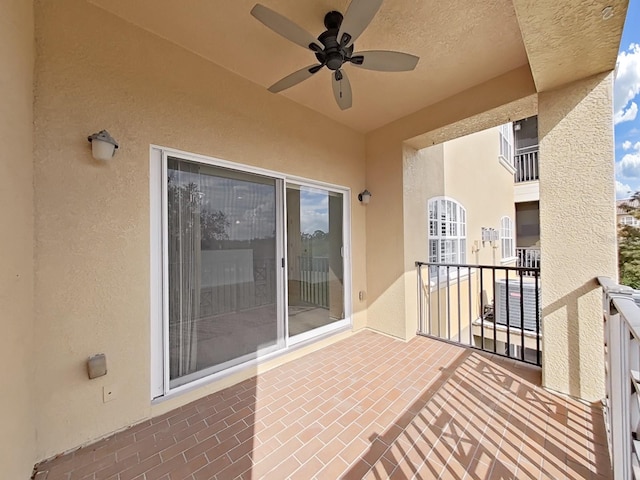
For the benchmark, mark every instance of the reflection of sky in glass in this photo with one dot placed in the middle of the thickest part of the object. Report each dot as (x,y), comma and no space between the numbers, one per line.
(314,210)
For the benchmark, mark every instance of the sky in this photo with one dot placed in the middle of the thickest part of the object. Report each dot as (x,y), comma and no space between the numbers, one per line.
(626,103)
(314,210)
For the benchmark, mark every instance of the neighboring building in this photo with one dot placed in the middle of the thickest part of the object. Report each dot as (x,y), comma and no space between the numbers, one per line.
(623,216)
(475,190)
(472,213)
(527,191)
(226,235)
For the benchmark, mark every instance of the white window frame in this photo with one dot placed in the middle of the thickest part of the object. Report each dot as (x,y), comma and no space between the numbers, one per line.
(507,239)
(452,228)
(506,142)
(159,385)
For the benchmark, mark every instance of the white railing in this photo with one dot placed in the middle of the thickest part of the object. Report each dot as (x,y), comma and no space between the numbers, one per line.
(314,280)
(525,162)
(528,257)
(622,367)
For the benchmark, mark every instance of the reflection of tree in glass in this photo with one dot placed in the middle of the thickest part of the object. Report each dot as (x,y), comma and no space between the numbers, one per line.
(185,202)
(315,244)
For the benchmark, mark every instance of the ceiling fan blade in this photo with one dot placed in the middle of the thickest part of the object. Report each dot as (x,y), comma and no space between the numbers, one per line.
(358,17)
(341,89)
(285,27)
(295,78)
(385,61)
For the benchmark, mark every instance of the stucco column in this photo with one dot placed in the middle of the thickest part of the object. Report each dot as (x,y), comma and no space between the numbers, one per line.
(385,239)
(401,179)
(577,231)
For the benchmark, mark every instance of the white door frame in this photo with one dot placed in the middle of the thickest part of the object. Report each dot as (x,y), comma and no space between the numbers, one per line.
(159,334)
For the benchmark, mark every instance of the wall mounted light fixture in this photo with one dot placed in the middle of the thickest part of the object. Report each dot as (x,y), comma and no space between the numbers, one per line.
(364,196)
(103,145)
(607,12)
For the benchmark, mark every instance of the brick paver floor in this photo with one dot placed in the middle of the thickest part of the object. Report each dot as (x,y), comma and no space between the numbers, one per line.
(366,407)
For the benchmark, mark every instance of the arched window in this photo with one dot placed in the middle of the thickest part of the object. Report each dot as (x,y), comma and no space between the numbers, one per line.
(447,231)
(506,238)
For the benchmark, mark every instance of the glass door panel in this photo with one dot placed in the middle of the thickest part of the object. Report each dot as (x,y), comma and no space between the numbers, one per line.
(314,258)
(222,268)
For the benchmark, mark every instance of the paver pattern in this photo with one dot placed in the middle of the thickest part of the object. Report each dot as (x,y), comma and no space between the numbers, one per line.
(366,407)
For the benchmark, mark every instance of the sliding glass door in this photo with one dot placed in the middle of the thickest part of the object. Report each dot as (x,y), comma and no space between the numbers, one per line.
(252,263)
(315,274)
(223,268)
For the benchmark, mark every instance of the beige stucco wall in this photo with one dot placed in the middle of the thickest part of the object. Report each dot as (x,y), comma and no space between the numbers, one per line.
(576,151)
(92,220)
(95,71)
(17,434)
(423,173)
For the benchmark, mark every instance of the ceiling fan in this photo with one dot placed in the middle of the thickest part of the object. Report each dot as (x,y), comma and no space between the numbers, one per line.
(334,47)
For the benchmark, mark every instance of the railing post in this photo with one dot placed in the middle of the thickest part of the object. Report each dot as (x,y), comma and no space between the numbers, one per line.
(619,391)
(420,305)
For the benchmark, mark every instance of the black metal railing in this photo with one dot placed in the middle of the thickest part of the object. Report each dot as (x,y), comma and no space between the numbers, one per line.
(491,308)
(525,162)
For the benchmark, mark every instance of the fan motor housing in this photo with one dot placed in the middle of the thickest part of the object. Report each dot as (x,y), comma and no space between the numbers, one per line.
(333,54)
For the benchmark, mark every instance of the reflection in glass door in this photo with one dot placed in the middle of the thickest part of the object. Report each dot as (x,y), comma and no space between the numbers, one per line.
(223,268)
(314,258)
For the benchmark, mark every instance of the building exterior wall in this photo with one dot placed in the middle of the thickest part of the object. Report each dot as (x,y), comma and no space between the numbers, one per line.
(92,219)
(475,178)
(466,170)
(527,192)
(390,269)
(17,52)
(576,170)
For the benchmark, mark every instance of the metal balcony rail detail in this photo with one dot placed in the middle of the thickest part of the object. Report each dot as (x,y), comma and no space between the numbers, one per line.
(525,161)
(495,309)
(622,370)
(314,276)
(528,258)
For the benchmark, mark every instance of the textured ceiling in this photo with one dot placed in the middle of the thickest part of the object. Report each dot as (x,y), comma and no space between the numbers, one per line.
(460,44)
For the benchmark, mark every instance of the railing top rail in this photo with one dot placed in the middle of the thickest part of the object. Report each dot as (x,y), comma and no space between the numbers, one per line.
(465,265)
(529,149)
(528,248)
(622,298)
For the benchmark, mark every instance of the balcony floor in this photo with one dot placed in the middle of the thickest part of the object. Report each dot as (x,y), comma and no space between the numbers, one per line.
(366,407)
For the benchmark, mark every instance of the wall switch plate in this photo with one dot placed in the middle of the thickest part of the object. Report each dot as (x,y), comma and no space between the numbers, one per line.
(108,393)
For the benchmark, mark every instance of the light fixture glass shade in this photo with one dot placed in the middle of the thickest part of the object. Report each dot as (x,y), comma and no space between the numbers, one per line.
(102,150)
(364,197)
(103,145)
